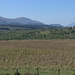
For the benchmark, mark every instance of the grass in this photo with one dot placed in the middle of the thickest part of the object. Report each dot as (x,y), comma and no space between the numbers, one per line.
(45,32)
(41,72)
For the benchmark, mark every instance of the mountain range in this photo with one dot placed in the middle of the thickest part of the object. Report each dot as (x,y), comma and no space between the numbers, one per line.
(19,21)
(23,21)
(27,21)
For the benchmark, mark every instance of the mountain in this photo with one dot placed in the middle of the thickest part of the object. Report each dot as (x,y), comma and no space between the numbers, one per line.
(56,25)
(26,23)
(71,24)
(19,21)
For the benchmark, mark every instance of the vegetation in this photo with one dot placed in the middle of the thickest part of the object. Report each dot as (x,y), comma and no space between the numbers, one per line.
(49,49)
(20,33)
(41,72)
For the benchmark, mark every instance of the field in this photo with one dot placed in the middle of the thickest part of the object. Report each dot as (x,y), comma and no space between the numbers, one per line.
(37,53)
(44,54)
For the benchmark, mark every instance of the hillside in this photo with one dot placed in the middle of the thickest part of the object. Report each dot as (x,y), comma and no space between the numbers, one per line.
(57,25)
(19,21)
(23,22)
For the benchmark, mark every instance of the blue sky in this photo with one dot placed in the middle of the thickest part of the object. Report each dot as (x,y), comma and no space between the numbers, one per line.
(46,11)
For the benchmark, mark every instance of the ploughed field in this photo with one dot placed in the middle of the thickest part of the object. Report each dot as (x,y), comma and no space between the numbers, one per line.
(37,53)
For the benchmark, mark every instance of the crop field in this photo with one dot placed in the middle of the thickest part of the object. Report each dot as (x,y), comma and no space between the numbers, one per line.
(44,54)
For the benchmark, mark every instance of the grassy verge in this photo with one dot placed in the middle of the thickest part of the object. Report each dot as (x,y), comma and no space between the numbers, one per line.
(41,72)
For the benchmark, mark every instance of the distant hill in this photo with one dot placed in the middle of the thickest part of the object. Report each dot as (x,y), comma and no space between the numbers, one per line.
(56,25)
(23,22)
(19,21)
(71,24)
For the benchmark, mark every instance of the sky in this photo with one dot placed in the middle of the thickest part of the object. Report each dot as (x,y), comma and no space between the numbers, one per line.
(46,11)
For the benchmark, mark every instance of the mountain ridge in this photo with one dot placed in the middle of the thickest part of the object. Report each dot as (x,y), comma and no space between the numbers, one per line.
(56,25)
(23,21)
(19,20)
